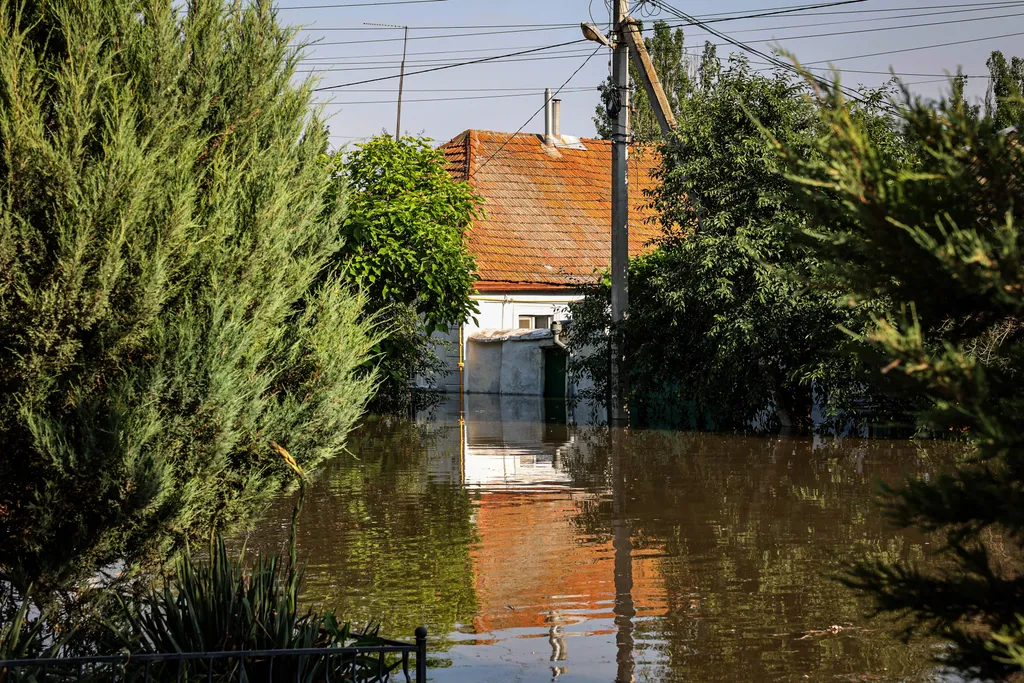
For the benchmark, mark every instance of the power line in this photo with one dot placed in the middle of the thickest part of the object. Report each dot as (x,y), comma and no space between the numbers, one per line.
(438,37)
(1004,5)
(719,16)
(921,47)
(426,52)
(345,59)
(903,9)
(792,8)
(534,115)
(743,46)
(330,67)
(525,89)
(447,66)
(563,27)
(889,28)
(498,59)
(880,73)
(467,97)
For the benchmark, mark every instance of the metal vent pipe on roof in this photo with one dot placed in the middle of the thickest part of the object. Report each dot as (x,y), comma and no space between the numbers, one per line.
(556,119)
(549,138)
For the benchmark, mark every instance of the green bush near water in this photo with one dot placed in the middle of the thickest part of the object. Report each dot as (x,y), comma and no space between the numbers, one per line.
(218,604)
(942,239)
(166,304)
(728,325)
(405,230)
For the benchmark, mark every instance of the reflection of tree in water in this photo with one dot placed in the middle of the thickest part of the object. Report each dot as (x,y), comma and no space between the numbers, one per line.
(384,539)
(750,533)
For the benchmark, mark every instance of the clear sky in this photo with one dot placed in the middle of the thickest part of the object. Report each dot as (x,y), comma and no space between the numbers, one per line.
(502,96)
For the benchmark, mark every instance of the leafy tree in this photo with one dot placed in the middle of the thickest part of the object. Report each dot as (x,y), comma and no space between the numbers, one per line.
(673,65)
(1003,102)
(164,313)
(722,321)
(957,96)
(942,240)
(405,245)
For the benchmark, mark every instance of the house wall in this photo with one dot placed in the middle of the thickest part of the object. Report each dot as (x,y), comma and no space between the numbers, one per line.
(498,311)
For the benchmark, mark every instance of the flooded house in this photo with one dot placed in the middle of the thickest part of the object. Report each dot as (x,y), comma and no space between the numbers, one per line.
(545,232)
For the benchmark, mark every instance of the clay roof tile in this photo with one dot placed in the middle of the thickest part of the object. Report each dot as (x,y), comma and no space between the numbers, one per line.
(547,218)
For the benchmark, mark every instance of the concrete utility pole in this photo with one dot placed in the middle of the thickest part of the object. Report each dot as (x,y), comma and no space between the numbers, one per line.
(618,416)
(401,73)
(401,83)
(627,42)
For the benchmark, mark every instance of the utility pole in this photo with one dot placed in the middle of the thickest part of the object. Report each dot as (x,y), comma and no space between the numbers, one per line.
(625,42)
(618,415)
(401,83)
(401,73)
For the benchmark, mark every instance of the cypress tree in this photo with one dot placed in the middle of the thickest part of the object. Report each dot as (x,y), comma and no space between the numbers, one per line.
(941,239)
(166,306)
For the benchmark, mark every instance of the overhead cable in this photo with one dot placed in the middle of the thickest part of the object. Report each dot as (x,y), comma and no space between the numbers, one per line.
(534,115)
(920,47)
(460,98)
(572,53)
(448,66)
(775,61)
(562,27)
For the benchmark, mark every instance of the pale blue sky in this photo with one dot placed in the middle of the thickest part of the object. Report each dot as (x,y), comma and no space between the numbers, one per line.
(506,94)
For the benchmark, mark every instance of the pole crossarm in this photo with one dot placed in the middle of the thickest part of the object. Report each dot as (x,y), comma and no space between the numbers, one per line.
(648,75)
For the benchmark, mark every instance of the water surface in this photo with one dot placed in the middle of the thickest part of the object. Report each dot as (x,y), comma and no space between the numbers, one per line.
(534,550)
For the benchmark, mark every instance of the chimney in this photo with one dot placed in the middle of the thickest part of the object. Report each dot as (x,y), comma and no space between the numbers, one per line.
(556,120)
(549,124)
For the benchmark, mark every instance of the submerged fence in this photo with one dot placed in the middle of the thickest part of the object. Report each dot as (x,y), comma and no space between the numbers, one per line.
(383,662)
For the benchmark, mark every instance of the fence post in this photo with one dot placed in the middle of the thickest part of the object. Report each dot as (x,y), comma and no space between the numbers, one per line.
(421,654)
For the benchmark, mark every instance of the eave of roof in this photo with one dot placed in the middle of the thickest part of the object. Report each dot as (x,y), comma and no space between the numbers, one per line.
(487,286)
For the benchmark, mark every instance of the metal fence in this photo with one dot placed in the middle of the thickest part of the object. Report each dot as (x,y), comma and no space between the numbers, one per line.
(387,661)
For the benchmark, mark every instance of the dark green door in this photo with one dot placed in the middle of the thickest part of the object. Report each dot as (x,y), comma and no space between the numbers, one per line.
(554,373)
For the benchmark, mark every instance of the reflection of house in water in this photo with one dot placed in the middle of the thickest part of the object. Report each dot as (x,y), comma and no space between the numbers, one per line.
(536,565)
(513,453)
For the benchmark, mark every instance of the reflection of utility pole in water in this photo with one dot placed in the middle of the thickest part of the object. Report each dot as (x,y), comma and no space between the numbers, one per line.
(622,543)
(556,637)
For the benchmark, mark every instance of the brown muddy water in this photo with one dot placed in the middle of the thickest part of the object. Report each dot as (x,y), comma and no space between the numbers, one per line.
(536,551)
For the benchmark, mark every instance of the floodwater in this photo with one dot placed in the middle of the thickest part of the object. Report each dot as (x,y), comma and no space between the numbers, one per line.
(537,551)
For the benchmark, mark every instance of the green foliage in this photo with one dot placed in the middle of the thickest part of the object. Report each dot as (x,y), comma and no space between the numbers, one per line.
(1004,102)
(218,605)
(1008,644)
(723,320)
(213,605)
(164,309)
(22,633)
(673,67)
(405,244)
(941,239)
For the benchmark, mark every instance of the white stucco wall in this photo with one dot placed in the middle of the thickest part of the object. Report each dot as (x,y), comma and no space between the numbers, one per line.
(498,311)
(501,311)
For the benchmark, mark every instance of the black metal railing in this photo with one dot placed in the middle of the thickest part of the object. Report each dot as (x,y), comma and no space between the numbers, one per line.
(383,662)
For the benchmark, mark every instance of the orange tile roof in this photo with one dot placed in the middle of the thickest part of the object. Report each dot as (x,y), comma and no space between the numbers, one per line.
(547,211)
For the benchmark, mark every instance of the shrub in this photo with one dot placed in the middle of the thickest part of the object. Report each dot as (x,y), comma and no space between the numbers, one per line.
(164,311)
(942,240)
